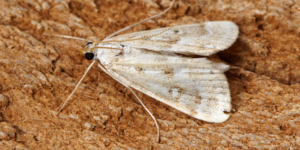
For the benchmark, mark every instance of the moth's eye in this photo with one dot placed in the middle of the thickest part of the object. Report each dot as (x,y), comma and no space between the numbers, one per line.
(89,43)
(89,55)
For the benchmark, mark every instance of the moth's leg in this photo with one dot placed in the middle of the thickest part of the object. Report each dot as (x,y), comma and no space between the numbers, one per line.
(126,86)
(87,70)
(129,27)
(157,127)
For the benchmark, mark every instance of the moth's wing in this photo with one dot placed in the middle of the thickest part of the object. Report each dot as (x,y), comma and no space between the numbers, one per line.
(195,86)
(201,39)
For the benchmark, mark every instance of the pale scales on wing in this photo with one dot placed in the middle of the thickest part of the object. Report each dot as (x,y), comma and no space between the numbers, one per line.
(202,39)
(195,86)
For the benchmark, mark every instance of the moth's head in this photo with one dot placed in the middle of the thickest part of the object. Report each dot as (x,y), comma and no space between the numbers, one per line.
(88,54)
(101,49)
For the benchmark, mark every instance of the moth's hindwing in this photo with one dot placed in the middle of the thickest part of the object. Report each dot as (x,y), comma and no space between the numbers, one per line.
(195,86)
(201,39)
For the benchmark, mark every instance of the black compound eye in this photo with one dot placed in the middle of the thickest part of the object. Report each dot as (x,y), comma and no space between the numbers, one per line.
(89,55)
(89,43)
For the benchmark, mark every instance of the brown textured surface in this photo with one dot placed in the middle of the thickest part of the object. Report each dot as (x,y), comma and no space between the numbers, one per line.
(37,73)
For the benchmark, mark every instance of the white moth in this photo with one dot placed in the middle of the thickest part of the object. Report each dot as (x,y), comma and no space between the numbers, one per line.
(195,86)
(151,62)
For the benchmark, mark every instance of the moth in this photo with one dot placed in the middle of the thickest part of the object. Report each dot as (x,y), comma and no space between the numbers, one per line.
(158,63)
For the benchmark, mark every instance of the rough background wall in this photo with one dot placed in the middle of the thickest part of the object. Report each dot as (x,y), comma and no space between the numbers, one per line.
(37,73)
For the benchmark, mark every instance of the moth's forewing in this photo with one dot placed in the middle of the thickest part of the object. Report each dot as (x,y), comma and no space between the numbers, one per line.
(201,39)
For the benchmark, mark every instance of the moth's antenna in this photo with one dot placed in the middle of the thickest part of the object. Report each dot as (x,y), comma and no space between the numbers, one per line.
(91,49)
(129,27)
(87,70)
(68,37)
(156,124)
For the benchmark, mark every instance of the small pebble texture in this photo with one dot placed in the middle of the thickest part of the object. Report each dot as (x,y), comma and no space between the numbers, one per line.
(37,74)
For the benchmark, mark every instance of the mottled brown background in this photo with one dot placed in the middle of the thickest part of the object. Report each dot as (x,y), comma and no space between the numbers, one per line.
(37,73)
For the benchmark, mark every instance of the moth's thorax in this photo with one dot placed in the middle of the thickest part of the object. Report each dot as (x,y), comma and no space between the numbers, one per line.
(104,54)
(111,50)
